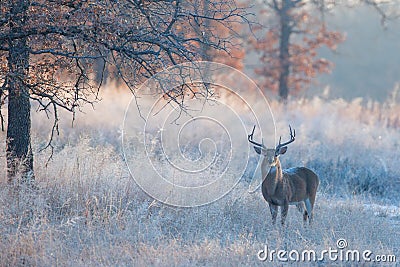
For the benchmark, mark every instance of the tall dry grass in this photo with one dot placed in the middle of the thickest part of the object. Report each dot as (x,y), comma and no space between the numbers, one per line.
(88,210)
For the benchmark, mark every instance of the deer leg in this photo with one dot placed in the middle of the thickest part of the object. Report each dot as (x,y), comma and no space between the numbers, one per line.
(312,201)
(308,211)
(302,209)
(284,211)
(305,216)
(274,212)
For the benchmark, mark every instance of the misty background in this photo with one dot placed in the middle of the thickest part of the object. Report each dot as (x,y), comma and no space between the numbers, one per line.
(366,64)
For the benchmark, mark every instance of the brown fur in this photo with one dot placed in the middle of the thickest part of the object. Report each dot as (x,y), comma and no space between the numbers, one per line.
(283,187)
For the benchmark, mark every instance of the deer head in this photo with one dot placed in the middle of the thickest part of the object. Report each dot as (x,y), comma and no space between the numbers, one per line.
(271,156)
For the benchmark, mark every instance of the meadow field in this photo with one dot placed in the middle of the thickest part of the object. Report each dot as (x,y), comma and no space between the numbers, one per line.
(88,210)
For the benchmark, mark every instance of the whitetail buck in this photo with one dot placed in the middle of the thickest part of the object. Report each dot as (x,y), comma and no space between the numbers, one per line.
(294,186)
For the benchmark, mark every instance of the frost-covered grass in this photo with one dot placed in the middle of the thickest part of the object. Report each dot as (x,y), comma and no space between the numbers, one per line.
(88,210)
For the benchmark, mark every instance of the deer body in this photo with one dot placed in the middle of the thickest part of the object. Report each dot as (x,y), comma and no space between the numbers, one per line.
(297,186)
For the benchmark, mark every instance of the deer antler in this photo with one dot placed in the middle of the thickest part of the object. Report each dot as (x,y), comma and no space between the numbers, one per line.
(292,138)
(250,138)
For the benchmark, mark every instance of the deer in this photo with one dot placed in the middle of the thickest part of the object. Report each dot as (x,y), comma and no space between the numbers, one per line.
(283,187)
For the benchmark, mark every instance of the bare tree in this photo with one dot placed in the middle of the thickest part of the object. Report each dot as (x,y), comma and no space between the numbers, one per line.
(388,10)
(233,52)
(48,51)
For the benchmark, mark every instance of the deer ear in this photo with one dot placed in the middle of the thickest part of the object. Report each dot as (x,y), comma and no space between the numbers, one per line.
(260,150)
(257,149)
(282,150)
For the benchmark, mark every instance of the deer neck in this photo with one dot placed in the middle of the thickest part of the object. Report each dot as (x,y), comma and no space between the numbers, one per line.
(274,176)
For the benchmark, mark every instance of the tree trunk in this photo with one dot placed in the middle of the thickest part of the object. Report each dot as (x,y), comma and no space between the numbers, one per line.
(284,42)
(205,49)
(18,151)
